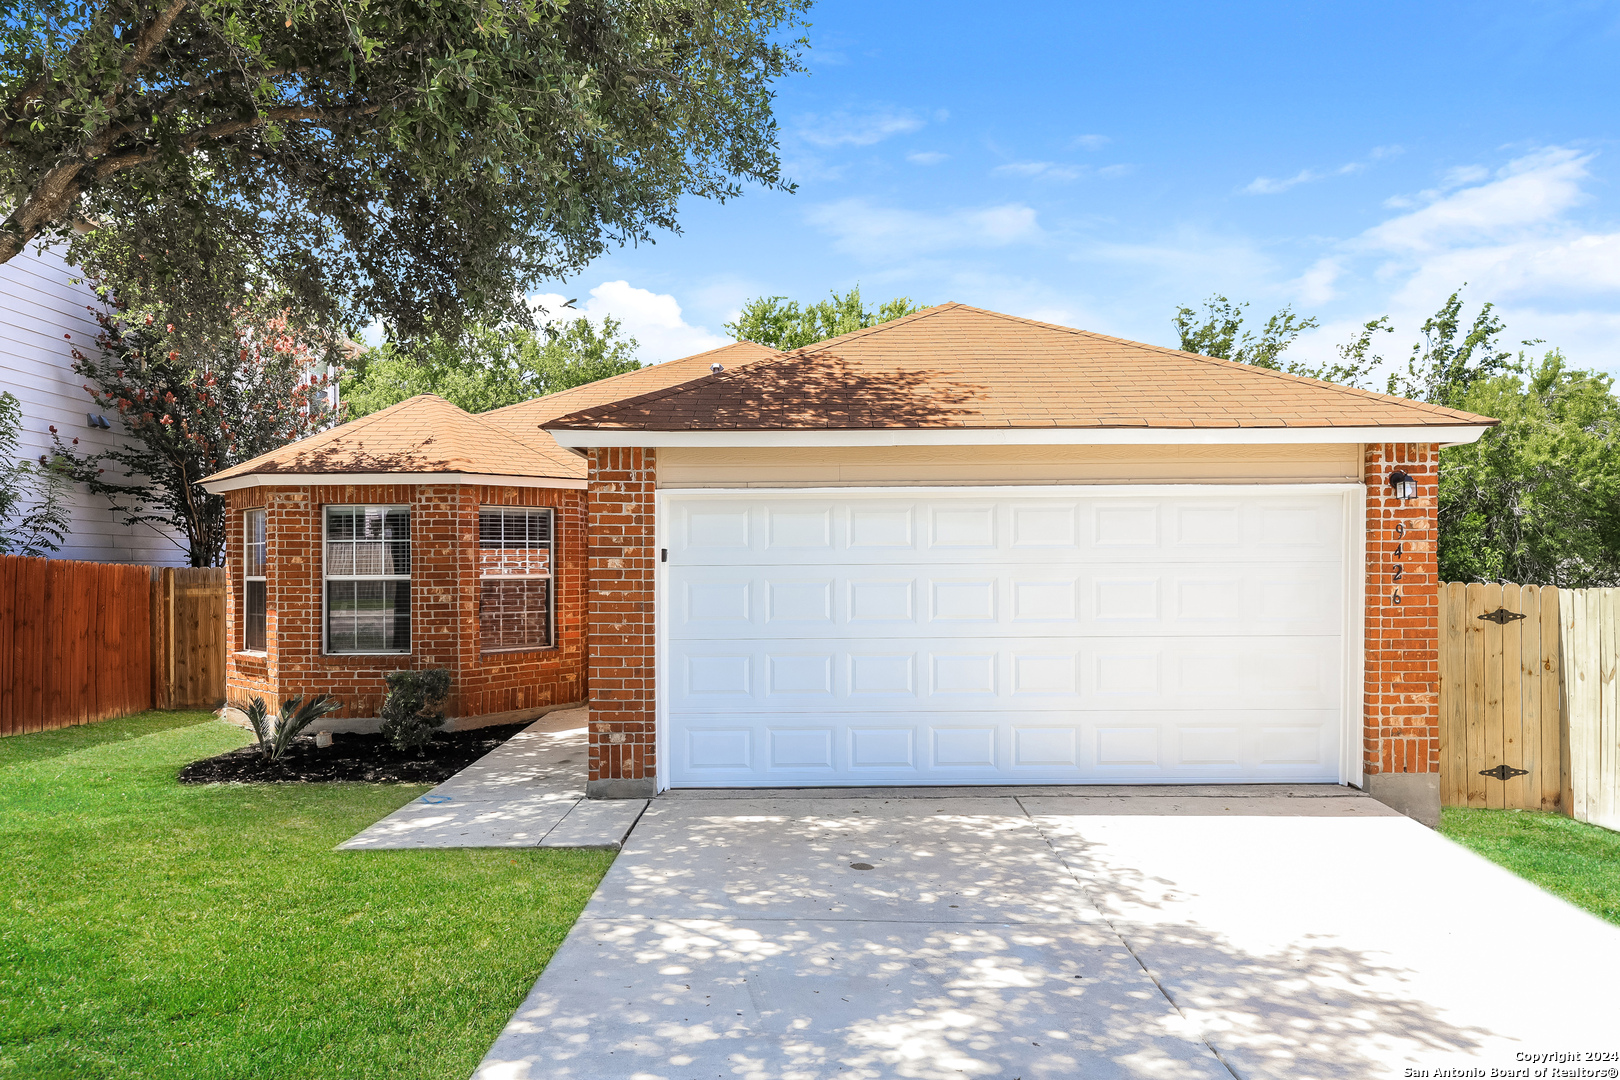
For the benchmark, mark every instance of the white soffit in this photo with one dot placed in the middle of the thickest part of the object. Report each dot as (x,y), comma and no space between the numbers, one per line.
(236,483)
(1444,434)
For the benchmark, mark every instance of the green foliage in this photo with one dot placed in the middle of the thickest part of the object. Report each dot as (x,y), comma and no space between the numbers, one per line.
(34,512)
(399,159)
(491,367)
(1442,369)
(153,929)
(414,708)
(190,406)
(1219,332)
(780,323)
(1537,499)
(296,715)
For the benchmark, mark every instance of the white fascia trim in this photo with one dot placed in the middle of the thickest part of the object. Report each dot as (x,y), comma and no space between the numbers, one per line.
(237,483)
(1444,434)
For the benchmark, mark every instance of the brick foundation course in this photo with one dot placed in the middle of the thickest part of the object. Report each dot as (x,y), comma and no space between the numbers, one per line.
(444,601)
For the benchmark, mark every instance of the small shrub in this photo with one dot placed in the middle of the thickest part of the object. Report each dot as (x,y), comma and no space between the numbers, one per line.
(414,708)
(296,715)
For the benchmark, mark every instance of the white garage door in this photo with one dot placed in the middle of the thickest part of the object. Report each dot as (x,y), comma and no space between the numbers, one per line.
(977,636)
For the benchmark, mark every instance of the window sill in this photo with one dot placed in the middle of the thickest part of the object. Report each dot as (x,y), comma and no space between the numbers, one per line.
(517,649)
(254,654)
(390,652)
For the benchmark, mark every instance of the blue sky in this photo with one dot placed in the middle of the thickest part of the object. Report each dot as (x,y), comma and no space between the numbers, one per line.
(1097,165)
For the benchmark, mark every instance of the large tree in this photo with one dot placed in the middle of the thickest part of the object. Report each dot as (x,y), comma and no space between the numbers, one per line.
(490,367)
(1219,331)
(784,324)
(411,160)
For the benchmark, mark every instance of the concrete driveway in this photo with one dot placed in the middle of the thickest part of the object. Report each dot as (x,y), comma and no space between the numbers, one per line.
(1043,933)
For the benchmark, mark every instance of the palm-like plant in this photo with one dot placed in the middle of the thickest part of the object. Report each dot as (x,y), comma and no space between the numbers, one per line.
(296,715)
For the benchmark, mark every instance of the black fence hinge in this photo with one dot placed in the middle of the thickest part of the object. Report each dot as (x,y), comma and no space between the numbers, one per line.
(1504,772)
(1501,616)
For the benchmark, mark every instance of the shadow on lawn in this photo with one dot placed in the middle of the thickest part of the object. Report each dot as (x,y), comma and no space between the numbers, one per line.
(44,745)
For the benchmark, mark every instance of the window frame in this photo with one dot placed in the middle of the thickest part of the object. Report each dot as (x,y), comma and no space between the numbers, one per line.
(410,612)
(550,578)
(248,578)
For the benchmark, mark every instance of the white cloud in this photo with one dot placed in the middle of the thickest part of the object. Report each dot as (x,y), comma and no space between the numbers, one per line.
(1528,194)
(1512,234)
(856,129)
(1041,170)
(884,233)
(927,157)
(653,319)
(1090,142)
(1265,185)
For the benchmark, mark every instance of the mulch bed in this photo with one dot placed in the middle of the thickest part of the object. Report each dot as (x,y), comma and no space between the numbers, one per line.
(364,758)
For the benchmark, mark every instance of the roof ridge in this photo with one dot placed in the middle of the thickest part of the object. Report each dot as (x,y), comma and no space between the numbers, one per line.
(867,331)
(1288,376)
(598,383)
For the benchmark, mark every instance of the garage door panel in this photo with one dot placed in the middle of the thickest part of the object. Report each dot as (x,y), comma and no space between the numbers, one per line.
(1234,597)
(946,747)
(922,531)
(1031,673)
(1040,637)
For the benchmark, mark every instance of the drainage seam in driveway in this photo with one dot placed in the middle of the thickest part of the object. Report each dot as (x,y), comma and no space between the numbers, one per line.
(1123,940)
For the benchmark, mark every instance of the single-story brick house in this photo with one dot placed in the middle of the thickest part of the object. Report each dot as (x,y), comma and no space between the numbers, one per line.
(956,548)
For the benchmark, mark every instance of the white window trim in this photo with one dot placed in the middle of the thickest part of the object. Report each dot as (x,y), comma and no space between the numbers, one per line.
(551,591)
(247,545)
(326,646)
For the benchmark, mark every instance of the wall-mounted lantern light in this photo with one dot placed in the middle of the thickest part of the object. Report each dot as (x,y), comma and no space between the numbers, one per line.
(1404,486)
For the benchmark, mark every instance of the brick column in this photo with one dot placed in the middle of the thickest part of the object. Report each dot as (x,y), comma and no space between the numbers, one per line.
(619,535)
(1401,732)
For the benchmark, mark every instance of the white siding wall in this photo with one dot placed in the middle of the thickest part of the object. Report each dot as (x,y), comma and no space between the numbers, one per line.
(39,303)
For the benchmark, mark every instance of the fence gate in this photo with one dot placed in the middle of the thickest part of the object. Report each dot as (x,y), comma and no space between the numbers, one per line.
(1500,698)
(189,653)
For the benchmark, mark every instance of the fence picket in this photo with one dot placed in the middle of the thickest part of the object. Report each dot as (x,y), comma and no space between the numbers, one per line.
(1550,677)
(81,642)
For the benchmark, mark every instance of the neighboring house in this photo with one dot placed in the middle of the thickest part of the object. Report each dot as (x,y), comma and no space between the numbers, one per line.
(44,313)
(956,548)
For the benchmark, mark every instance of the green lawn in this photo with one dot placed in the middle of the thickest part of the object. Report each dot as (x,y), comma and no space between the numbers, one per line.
(1577,861)
(149,929)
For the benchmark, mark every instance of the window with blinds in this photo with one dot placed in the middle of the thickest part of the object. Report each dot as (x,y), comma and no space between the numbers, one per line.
(254,598)
(516,595)
(367,568)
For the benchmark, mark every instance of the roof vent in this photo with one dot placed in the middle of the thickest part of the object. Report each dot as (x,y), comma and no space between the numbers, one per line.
(716,368)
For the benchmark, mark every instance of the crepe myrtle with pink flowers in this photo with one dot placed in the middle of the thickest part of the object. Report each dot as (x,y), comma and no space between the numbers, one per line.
(190,410)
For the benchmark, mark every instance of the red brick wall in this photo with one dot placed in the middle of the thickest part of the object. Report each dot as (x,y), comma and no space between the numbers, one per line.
(620,524)
(1402,723)
(444,599)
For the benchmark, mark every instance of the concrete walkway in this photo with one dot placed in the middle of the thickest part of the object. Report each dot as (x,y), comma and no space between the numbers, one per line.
(528,792)
(1295,933)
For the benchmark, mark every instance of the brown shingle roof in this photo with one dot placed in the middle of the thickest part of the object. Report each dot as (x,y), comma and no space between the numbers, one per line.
(423,434)
(958,366)
(525,418)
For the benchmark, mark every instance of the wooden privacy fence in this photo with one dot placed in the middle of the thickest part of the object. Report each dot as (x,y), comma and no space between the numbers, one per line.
(1529,704)
(81,642)
(1591,656)
(188,606)
(1500,697)
(75,642)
